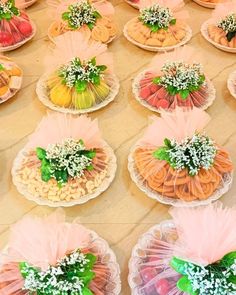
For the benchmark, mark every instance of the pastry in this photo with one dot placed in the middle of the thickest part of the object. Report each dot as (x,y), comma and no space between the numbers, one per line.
(97,24)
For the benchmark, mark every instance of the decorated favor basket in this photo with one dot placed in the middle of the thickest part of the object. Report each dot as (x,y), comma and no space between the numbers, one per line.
(78,79)
(151,31)
(91,18)
(192,254)
(65,163)
(49,255)
(15,26)
(173,80)
(176,163)
(231,83)
(10,78)
(220,29)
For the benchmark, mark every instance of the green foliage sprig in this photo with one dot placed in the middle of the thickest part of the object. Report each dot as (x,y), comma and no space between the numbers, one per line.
(8,10)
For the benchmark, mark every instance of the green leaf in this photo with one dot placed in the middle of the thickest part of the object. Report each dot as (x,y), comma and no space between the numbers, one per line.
(194,88)
(7,16)
(102,68)
(202,78)
(167,142)
(23,266)
(92,259)
(185,285)
(66,16)
(229,259)
(1,67)
(232,279)
(157,80)
(41,153)
(184,94)
(45,172)
(87,277)
(172,90)
(96,80)
(81,86)
(93,61)
(91,26)
(15,11)
(90,168)
(86,291)
(178,265)
(173,21)
(97,14)
(155,28)
(230,35)
(161,154)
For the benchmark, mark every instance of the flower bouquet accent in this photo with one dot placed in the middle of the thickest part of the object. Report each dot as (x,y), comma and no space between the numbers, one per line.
(220,30)
(93,18)
(174,80)
(10,78)
(15,26)
(176,163)
(160,26)
(78,79)
(50,256)
(66,162)
(193,254)
(231,83)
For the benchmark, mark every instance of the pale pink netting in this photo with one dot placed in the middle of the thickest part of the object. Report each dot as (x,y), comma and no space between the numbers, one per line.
(223,9)
(202,235)
(42,242)
(158,97)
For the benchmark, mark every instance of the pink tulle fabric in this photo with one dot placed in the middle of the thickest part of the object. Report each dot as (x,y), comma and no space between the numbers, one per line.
(42,242)
(223,9)
(205,234)
(174,125)
(185,54)
(174,5)
(55,127)
(66,48)
(22,4)
(60,6)
(201,235)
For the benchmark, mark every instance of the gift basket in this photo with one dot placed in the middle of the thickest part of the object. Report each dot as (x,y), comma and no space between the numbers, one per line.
(231,83)
(160,26)
(177,163)
(78,79)
(194,253)
(10,78)
(220,30)
(51,256)
(65,162)
(174,79)
(94,18)
(16,28)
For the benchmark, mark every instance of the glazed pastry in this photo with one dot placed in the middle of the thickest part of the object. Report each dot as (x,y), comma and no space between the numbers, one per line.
(49,255)
(10,78)
(176,83)
(15,25)
(152,29)
(99,25)
(65,160)
(80,78)
(179,256)
(184,164)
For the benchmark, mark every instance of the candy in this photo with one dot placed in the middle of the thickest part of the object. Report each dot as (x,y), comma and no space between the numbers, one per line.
(163,103)
(162,287)
(25,28)
(6,39)
(145,92)
(148,273)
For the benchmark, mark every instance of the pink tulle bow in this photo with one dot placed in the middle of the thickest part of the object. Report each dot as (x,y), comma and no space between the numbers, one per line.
(56,127)
(66,48)
(206,233)
(177,125)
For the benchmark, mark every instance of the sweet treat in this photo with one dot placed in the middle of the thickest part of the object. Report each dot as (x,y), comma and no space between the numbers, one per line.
(176,162)
(174,80)
(78,78)
(158,25)
(192,254)
(231,83)
(15,26)
(221,28)
(93,18)
(51,256)
(65,162)
(10,78)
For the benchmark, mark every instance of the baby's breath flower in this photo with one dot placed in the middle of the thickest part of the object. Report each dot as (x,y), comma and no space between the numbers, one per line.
(81,13)
(180,77)
(228,24)
(157,17)
(8,9)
